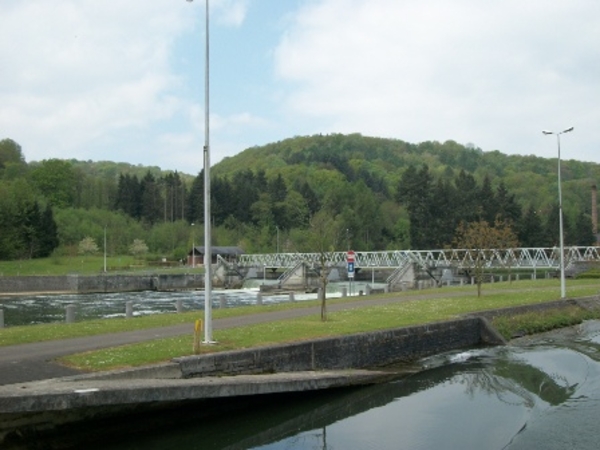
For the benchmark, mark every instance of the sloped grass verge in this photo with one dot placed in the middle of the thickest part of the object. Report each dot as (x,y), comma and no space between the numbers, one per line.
(538,322)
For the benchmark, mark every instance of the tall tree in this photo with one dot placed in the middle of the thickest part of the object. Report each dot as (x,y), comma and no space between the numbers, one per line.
(12,161)
(246,188)
(443,213)
(195,202)
(552,227)
(47,233)
(415,192)
(312,201)
(174,194)
(277,189)
(129,196)
(487,201)
(583,231)
(468,209)
(508,208)
(222,201)
(56,180)
(151,200)
(531,232)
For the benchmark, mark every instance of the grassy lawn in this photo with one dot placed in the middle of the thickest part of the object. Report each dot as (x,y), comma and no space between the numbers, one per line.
(84,265)
(450,304)
(54,331)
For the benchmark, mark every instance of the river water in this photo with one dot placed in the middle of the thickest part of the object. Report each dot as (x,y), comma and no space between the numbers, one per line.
(34,309)
(541,393)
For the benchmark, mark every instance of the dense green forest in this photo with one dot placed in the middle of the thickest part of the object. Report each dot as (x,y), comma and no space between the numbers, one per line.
(368,193)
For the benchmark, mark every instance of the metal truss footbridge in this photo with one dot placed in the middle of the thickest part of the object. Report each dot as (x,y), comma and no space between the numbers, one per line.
(524,258)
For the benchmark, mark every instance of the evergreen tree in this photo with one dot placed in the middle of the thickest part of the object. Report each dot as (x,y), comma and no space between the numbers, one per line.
(531,232)
(583,231)
(129,198)
(246,189)
(277,189)
(415,192)
(151,200)
(552,227)
(222,200)
(30,230)
(174,194)
(468,208)
(48,233)
(312,201)
(443,213)
(195,202)
(508,210)
(487,201)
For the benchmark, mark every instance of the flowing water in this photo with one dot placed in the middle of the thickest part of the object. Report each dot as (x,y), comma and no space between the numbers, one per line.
(32,309)
(541,393)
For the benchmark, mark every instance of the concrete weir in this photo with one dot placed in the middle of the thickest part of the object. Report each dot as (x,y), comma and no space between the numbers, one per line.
(346,361)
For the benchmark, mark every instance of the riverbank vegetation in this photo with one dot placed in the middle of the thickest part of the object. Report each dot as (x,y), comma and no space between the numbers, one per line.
(377,193)
(410,308)
(540,321)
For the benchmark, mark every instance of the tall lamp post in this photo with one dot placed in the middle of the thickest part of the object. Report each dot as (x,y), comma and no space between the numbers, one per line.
(104,248)
(208,339)
(193,247)
(563,292)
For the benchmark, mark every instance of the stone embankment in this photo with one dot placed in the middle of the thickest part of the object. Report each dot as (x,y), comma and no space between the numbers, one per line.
(105,283)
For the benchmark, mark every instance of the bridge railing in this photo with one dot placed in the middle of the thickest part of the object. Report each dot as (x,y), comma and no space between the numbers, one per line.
(513,257)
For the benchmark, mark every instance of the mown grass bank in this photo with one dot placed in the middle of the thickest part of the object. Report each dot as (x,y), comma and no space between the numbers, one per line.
(407,311)
(540,321)
(86,265)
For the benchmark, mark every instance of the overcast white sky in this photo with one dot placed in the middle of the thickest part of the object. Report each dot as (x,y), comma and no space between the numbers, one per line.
(123,80)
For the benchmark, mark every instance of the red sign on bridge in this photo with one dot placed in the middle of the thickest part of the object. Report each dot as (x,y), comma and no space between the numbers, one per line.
(350,256)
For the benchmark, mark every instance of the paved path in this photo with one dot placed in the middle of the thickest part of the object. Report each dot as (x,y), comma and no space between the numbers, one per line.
(31,362)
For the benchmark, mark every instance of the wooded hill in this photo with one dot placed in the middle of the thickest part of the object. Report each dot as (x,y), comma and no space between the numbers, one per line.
(372,193)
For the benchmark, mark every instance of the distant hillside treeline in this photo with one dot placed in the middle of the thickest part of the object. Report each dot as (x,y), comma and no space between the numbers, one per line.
(375,193)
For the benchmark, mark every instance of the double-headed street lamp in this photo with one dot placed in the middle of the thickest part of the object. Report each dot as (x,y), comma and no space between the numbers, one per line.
(563,292)
(207,225)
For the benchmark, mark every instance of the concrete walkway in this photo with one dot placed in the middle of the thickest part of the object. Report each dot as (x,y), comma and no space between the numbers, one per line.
(32,362)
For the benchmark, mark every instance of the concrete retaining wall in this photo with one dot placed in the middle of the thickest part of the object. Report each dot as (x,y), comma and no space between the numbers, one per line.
(100,283)
(365,350)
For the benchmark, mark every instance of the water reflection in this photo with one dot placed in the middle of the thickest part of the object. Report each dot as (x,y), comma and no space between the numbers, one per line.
(543,393)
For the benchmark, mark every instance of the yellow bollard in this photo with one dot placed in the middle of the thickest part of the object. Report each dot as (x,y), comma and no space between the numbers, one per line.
(197,334)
